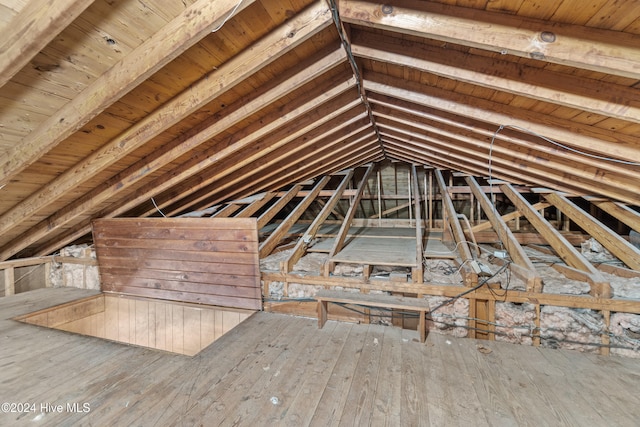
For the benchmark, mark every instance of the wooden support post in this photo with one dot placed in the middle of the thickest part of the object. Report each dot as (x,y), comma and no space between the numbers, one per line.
(379,197)
(417,274)
(322,313)
(366,271)
(410,196)
(431,198)
(373,206)
(9,281)
(426,200)
(491,318)
(536,338)
(473,314)
(47,274)
(384,199)
(606,341)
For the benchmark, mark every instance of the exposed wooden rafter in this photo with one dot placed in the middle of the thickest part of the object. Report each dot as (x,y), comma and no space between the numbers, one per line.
(39,22)
(534,281)
(310,232)
(572,91)
(564,249)
(573,134)
(581,47)
(266,50)
(451,218)
(270,243)
(618,246)
(111,108)
(176,37)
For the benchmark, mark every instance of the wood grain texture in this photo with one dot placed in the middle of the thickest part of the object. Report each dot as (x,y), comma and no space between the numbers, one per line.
(200,260)
(321,377)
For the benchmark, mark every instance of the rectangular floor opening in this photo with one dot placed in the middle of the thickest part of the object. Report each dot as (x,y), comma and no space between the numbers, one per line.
(176,327)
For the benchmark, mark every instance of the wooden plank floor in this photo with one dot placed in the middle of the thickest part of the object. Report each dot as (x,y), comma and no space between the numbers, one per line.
(280,370)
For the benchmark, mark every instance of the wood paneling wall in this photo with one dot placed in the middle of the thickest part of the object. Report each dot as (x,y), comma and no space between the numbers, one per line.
(202,260)
(176,327)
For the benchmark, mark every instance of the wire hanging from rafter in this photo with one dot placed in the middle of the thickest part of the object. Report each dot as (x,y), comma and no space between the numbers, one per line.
(356,71)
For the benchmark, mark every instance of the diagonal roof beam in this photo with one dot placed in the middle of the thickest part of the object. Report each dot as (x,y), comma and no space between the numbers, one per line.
(39,22)
(572,91)
(618,246)
(197,164)
(620,211)
(341,236)
(210,127)
(534,281)
(260,172)
(192,25)
(310,233)
(564,249)
(540,168)
(473,126)
(268,245)
(266,50)
(580,136)
(611,52)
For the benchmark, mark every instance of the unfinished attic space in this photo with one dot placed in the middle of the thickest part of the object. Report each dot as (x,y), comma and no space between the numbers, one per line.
(319,212)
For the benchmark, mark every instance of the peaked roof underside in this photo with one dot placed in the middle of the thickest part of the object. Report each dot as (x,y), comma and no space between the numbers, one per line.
(110,106)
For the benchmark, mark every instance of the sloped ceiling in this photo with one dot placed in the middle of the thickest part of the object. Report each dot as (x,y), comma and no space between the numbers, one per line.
(110,106)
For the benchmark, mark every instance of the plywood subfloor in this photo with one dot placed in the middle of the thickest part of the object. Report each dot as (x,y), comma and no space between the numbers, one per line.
(278,370)
(374,246)
(378,251)
(436,249)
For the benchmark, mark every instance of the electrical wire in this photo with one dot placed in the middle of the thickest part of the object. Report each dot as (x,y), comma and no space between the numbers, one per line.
(468,291)
(354,65)
(28,273)
(157,208)
(233,12)
(494,208)
(551,141)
